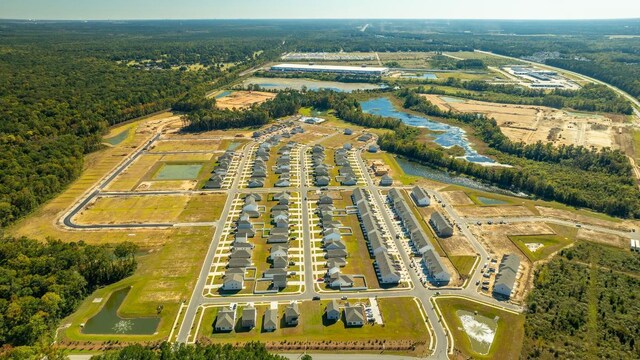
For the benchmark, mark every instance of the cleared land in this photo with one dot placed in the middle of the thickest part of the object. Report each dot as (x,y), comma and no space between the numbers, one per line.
(404,328)
(243,99)
(531,124)
(507,341)
(193,145)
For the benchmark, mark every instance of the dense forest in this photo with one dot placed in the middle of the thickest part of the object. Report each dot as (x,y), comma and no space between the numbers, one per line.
(62,85)
(584,305)
(41,283)
(166,351)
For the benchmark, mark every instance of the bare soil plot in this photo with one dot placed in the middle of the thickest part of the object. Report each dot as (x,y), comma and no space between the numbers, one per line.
(602,238)
(190,145)
(457,198)
(243,99)
(167,185)
(494,211)
(569,215)
(531,124)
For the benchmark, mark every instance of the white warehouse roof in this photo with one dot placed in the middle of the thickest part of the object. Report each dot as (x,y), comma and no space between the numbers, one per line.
(329,68)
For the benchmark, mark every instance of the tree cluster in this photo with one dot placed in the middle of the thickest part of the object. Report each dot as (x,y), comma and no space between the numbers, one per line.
(166,351)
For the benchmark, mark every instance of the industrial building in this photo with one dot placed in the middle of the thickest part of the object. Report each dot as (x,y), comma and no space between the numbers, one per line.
(331,69)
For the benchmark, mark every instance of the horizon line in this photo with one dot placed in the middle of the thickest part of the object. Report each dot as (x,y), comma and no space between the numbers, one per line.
(307,19)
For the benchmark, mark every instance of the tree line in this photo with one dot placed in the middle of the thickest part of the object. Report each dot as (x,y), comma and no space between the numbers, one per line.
(198,351)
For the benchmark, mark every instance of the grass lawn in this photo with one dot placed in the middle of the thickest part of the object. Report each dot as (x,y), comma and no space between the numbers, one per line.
(333,121)
(153,209)
(402,322)
(463,263)
(636,144)
(508,338)
(164,277)
(193,145)
(131,176)
(396,171)
(550,243)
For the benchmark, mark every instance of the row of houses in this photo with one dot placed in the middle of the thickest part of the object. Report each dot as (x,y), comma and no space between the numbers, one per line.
(333,245)
(434,268)
(320,169)
(259,169)
(220,171)
(507,275)
(283,165)
(345,171)
(387,269)
(226,319)
(241,249)
(279,240)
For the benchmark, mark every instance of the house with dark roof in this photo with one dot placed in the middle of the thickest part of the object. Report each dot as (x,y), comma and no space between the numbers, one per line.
(270,273)
(338,280)
(322,181)
(280,262)
(279,281)
(325,200)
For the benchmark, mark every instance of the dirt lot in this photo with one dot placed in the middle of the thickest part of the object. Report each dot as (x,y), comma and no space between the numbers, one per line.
(493,211)
(538,123)
(567,215)
(167,185)
(495,238)
(457,198)
(606,239)
(458,245)
(243,99)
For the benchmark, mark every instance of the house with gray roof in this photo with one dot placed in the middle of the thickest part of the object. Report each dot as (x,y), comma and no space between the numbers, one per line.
(325,200)
(277,238)
(376,243)
(420,197)
(270,273)
(354,315)
(506,276)
(292,314)
(435,269)
(420,241)
(239,263)
(278,250)
(280,262)
(279,281)
(387,273)
(348,180)
(386,180)
(233,280)
(249,317)
(336,253)
(241,253)
(270,321)
(322,181)
(332,312)
(338,280)
(440,225)
(225,320)
(334,244)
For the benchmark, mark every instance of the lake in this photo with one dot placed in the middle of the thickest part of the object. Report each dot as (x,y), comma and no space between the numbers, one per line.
(447,135)
(297,84)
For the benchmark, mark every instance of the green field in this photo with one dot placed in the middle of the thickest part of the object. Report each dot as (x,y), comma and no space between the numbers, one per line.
(463,264)
(550,244)
(508,337)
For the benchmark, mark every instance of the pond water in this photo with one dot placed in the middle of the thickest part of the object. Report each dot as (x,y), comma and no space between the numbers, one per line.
(415,169)
(107,320)
(223,94)
(427,76)
(481,330)
(490,201)
(450,99)
(234,145)
(115,140)
(297,84)
(447,135)
(178,172)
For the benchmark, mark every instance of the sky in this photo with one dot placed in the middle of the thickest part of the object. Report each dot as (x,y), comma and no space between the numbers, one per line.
(314,9)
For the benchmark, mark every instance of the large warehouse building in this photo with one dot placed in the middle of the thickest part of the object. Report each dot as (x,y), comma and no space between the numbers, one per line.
(333,69)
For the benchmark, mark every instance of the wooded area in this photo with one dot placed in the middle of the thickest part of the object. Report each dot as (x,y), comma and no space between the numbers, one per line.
(166,351)
(42,282)
(584,306)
